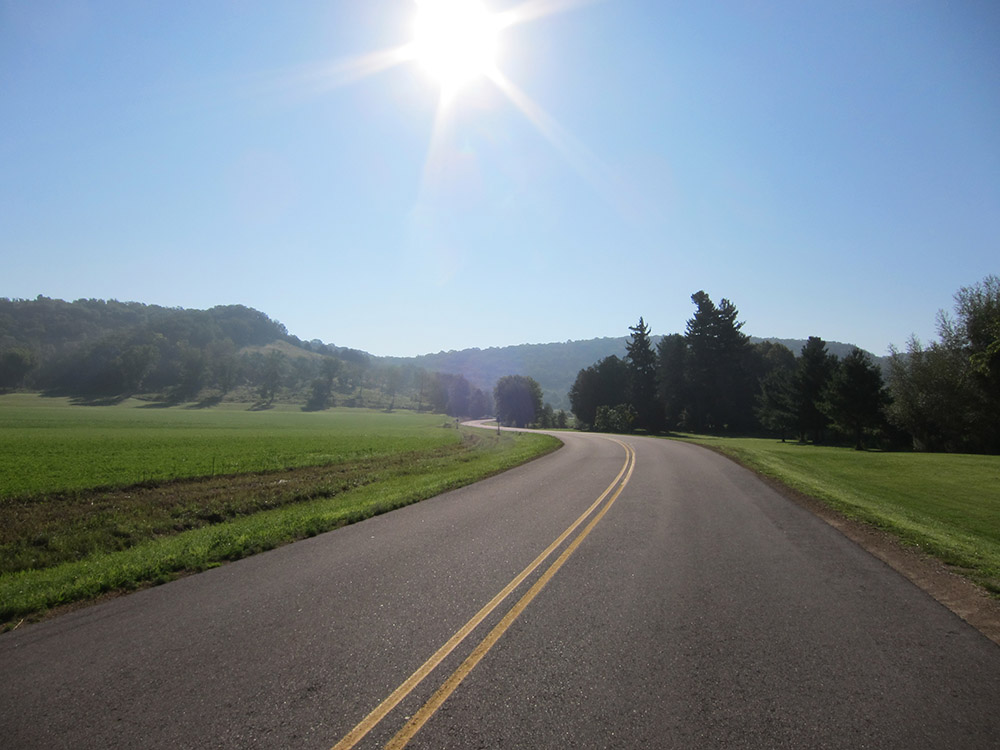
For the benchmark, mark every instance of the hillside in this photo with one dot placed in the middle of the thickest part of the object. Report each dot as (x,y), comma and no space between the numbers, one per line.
(94,348)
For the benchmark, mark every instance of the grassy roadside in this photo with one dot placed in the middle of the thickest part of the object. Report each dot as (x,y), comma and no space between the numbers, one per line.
(946,504)
(78,543)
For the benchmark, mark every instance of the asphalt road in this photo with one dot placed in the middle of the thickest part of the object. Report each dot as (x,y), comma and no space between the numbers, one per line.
(630,593)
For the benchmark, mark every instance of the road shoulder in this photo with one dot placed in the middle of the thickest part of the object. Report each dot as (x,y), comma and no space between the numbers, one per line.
(963,597)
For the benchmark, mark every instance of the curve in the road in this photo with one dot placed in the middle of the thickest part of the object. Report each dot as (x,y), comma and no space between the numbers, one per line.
(414,725)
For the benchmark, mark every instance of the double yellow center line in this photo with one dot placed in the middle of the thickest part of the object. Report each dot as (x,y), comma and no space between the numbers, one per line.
(452,682)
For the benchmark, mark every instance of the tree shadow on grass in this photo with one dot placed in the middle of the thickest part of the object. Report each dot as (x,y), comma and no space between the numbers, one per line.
(206,403)
(97,400)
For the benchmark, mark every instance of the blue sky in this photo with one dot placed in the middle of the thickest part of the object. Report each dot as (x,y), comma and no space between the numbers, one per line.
(833,168)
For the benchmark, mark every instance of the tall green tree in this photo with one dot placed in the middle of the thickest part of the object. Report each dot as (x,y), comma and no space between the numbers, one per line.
(721,383)
(642,396)
(933,397)
(671,381)
(856,396)
(947,394)
(518,400)
(702,362)
(601,384)
(977,330)
(776,408)
(815,368)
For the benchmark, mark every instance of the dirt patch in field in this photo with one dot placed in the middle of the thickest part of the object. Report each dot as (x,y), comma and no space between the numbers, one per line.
(43,531)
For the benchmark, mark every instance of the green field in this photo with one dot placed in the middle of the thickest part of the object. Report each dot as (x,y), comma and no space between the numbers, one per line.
(49,445)
(947,504)
(104,498)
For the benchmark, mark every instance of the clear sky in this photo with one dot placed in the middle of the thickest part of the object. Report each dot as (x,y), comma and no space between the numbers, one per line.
(833,168)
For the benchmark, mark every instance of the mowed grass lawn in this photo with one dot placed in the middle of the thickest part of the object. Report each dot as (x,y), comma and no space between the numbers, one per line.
(947,504)
(104,498)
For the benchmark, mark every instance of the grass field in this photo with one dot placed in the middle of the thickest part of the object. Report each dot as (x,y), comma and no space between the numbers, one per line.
(947,504)
(103,498)
(49,445)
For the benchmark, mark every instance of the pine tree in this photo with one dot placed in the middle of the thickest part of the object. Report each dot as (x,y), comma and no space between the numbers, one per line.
(671,361)
(641,361)
(856,396)
(720,376)
(815,367)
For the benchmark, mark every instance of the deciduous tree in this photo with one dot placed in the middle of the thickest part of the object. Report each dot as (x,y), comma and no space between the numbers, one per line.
(602,384)
(518,400)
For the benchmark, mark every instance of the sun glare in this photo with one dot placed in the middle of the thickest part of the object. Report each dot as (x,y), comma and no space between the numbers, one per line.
(455,40)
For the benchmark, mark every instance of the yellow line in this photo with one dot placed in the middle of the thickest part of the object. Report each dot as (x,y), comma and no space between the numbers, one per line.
(448,687)
(397,695)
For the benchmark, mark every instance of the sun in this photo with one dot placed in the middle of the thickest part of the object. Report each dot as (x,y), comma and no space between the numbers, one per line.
(455,41)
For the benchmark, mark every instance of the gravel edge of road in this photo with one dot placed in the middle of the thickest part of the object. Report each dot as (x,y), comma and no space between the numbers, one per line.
(970,602)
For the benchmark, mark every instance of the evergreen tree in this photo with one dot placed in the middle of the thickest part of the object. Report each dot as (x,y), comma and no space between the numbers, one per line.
(856,396)
(642,397)
(776,409)
(720,374)
(739,371)
(701,362)
(815,367)
(671,361)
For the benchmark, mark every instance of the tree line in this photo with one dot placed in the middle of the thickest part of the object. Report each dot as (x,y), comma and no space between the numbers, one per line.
(713,379)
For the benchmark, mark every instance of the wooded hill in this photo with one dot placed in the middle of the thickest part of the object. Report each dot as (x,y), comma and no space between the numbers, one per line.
(102,351)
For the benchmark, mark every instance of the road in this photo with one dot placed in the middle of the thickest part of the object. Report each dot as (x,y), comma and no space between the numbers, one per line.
(619,593)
